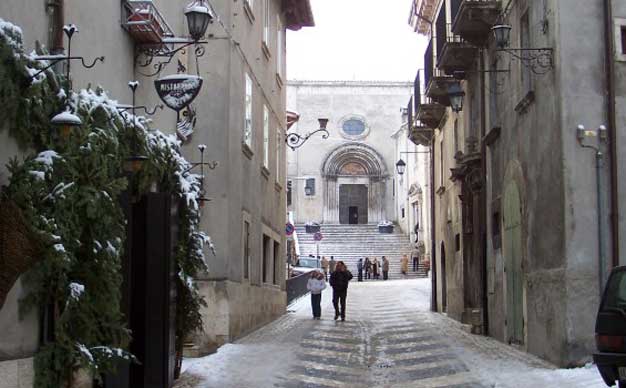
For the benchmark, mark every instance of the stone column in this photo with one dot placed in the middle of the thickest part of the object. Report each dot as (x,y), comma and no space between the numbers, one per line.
(331,203)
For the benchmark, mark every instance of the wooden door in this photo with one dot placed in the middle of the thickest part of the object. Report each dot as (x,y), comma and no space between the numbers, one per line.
(512,251)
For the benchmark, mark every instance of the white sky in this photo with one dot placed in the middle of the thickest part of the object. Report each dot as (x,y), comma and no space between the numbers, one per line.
(356,40)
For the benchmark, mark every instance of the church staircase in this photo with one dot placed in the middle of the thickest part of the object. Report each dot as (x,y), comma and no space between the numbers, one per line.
(349,243)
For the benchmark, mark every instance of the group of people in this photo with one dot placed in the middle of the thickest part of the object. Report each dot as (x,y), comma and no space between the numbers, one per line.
(372,268)
(339,279)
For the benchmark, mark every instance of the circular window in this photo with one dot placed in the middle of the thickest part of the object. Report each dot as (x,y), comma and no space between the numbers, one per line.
(353,127)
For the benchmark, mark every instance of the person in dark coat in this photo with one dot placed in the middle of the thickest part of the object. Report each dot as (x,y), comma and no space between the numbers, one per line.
(359,268)
(385,266)
(339,282)
(368,268)
(375,268)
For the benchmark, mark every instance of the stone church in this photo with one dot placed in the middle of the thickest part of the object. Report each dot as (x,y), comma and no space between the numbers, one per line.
(349,177)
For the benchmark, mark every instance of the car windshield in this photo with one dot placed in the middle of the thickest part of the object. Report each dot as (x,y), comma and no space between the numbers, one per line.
(616,292)
(311,263)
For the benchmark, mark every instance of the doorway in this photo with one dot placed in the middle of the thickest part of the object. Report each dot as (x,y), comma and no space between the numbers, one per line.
(444,287)
(353,204)
(353,212)
(512,250)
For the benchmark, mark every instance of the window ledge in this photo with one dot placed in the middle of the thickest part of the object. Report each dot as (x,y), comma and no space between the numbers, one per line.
(248,11)
(265,172)
(279,81)
(247,150)
(266,50)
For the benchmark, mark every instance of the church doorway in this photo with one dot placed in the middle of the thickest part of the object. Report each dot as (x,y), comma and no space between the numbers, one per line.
(353,204)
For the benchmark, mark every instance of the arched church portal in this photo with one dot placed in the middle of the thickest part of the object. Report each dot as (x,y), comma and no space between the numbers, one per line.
(354,185)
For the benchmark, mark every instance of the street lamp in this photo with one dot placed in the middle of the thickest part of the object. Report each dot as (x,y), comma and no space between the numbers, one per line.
(538,60)
(456,95)
(401,167)
(66,121)
(198,18)
(502,34)
(294,140)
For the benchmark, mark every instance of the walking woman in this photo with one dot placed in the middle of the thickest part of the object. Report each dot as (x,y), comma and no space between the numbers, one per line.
(339,282)
(316,285)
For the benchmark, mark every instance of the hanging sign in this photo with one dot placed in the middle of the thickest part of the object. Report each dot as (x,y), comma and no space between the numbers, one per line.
(178,90)
(289,229)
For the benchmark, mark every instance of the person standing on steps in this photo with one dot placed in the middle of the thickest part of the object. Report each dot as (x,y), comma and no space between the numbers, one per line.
(368,268)
(339,280)
(316,285)
(331,265)
(415,258)
(325,267)
(385,268)
(359,268)
(375,268)
(404,264)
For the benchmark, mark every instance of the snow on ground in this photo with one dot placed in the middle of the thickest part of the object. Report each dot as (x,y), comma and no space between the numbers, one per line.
(294,351)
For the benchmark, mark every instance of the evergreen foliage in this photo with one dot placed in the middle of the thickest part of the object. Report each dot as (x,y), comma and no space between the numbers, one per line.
(68,190)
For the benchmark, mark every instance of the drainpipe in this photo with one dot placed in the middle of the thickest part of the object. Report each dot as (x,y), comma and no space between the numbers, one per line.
(483,196)
(433,241)
(612,126)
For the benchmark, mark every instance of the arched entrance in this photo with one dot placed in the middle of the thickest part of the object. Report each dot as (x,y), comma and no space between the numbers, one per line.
(512,251)
(354,180)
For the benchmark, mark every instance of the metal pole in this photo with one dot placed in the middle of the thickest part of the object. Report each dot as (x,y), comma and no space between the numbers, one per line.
(601,252)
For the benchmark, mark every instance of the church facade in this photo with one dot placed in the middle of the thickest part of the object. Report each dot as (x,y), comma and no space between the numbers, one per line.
(349,177)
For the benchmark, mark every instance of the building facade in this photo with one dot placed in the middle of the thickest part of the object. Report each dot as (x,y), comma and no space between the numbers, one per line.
(348,178)
(239,115)
(525,232)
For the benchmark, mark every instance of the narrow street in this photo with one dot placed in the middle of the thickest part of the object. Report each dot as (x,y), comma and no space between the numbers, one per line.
(389,339)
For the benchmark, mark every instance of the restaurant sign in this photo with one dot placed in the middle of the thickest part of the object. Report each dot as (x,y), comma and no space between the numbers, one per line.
(178,90)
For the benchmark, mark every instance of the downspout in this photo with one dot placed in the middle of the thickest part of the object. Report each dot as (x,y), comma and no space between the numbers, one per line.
(483,195)
(612,126)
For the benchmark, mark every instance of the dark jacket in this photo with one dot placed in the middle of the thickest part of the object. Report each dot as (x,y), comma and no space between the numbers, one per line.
(339,280)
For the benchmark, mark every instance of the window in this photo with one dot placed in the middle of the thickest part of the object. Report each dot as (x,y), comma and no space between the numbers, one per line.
(623,37)
(402,212)
(457,242)
(456,136)
(289,186)
(266,24)
(495,231)
(353,127)
(246,250)
(277,262)
(266,137)
(266,256)
(278,160)
(309,188)
(279,47)
(441,163)
(247,129)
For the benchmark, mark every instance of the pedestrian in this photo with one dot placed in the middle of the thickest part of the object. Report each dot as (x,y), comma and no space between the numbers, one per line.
(339,280)
(325,267)
(417,231)
(385,268)
(359,267)
(316,285)
(368,268)
(331,265)
(375,268)
(404,264)
(415,258)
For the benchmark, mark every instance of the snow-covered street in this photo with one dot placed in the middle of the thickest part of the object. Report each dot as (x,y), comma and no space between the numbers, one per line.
(389,339)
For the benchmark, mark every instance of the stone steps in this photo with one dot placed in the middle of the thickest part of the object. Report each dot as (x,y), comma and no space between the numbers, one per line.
(349,243)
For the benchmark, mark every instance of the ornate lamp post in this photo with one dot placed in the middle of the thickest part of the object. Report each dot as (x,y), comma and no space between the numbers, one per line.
(294,140)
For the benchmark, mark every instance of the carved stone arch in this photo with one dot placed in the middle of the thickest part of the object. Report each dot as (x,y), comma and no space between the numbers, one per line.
(361,154)
(350,165)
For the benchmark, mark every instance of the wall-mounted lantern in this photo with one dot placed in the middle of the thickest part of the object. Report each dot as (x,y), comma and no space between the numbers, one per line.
(538,60)
(401,167)
(456,95)
(294,140)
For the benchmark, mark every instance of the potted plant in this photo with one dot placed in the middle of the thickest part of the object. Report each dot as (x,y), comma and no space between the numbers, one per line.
(385,227)
(312,227)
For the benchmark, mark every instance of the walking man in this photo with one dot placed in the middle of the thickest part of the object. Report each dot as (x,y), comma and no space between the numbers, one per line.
(385,268)
(325,267)
(331,265)
(359,267)
(339,280)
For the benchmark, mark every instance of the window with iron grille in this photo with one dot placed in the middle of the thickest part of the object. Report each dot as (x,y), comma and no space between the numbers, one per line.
(289,191)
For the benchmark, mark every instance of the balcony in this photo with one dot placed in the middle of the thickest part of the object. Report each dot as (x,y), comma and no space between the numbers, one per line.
(456,53)
(145,23)
(420,134)
(427,111)
(474,20)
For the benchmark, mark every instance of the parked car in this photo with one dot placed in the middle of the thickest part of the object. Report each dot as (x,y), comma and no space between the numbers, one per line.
(306,264)
(611,330)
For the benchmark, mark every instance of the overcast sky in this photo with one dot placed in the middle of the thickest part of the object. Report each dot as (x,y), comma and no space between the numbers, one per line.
(356,40)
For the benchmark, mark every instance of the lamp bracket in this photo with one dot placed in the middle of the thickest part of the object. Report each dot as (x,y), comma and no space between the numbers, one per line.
(295,140)
(538,60)
(149,112)
(168,49)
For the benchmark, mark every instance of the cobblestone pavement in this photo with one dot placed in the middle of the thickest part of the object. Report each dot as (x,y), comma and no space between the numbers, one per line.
(390,339)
